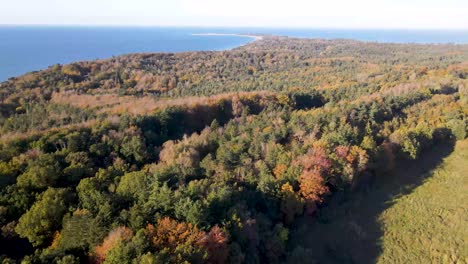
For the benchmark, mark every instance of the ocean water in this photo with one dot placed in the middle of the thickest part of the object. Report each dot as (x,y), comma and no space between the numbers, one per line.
(29,48)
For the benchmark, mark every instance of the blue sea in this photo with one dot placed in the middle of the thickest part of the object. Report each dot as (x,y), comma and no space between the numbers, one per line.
(29,48)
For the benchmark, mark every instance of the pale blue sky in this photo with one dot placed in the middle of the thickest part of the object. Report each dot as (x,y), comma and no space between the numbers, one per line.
(241,13)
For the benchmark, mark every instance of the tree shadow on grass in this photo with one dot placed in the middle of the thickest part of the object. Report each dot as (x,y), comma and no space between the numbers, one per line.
(347,229)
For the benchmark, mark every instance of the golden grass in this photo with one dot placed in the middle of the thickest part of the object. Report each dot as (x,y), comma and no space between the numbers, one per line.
(22,135)
(430,225)
(114,104)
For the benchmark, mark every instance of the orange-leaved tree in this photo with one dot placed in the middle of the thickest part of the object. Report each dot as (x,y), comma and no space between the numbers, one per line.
(185,239)
(116,236)
(311,182)
(215,243)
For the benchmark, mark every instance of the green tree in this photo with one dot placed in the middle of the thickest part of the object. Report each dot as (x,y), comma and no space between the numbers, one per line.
(80,231)
(40,222)
(134,147)
(80,166)
(41,173)
(134,186)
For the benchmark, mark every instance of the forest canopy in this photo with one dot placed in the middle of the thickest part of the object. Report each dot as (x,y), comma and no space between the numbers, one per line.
(212,157)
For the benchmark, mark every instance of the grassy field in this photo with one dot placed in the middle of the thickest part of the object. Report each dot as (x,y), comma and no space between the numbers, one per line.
(430,225)
(417,215)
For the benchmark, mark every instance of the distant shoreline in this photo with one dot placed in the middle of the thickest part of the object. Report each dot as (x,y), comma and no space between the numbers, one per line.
(52,46)
(229,34)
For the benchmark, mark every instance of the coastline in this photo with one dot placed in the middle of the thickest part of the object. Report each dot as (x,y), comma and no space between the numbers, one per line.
(49,52)
(255,37)
(57,55)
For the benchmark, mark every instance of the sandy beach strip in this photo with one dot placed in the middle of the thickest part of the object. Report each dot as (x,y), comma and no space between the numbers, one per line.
(229,34)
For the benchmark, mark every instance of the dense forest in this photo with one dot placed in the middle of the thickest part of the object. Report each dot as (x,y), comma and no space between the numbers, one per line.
(212,157)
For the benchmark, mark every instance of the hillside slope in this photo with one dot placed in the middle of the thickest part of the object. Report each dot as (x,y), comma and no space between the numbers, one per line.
(430,224)
(416,215)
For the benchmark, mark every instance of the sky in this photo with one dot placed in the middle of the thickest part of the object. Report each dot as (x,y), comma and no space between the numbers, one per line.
(387,14)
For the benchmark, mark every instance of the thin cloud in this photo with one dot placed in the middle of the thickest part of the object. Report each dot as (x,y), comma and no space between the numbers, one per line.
(241,13)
